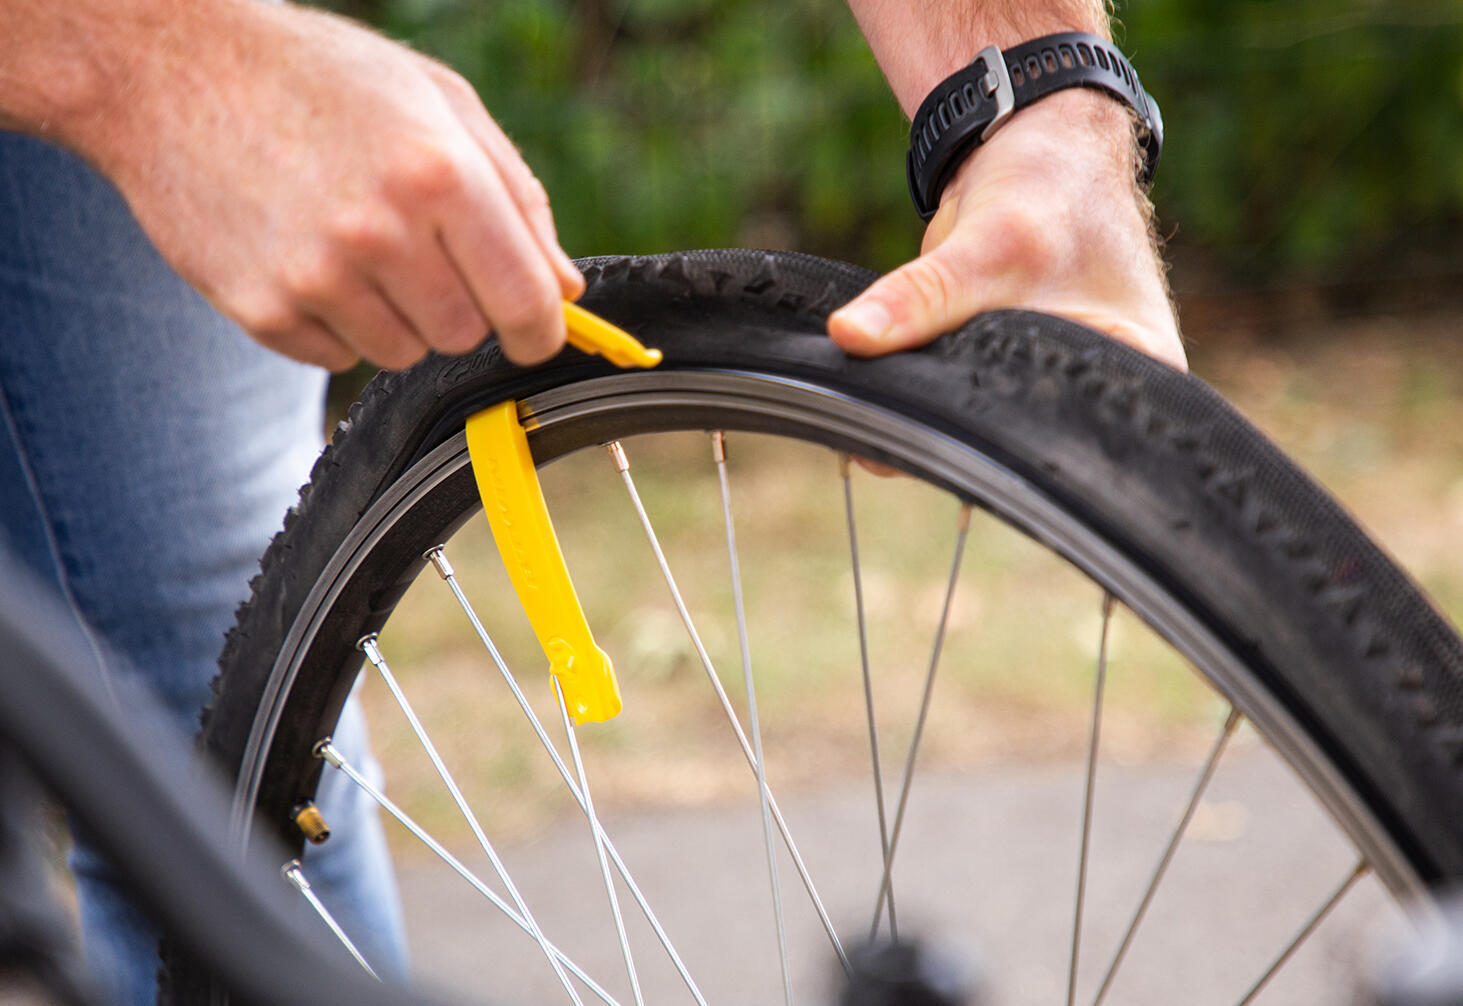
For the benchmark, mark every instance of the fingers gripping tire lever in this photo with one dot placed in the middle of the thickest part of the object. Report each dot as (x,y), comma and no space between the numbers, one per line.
(524,533)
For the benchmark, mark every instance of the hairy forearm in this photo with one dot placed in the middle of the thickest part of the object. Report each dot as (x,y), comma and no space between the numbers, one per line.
(62,65)
(91,75)
(920,44)
(97,76)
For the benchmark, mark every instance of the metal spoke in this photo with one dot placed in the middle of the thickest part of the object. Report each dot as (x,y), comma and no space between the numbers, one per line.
(1096,736)
(1306,930)
(291,872)
(1231,723)
(328,751)
(437,556)
(919,725)
(863,647)
(718,441)
(599,847)
(622,465)
(367,645)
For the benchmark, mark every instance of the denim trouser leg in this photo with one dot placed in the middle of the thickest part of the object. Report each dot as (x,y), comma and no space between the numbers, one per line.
(148,451)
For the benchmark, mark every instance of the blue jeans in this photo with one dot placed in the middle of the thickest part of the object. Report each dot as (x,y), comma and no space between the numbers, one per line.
(148,451)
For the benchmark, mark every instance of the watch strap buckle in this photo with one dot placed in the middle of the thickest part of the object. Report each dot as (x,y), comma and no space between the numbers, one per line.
(996,85)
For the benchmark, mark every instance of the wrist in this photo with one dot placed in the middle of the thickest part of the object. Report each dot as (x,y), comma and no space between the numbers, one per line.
(1073,149)
(1076,126)
(1075,138)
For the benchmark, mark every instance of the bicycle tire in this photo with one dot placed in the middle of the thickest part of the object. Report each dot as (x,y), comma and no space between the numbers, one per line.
(1259,565)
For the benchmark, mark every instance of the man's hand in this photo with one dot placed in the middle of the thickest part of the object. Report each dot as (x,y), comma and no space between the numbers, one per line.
(335,193)
(1044,216)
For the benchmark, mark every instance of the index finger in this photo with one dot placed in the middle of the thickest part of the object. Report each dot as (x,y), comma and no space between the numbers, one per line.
(504,267)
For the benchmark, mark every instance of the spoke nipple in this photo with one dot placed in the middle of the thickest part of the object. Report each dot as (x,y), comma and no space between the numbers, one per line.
(718,446)
(291,871)
(844,462)
(367,645)
(438,558)
(325,748)
(1232,722)
(617,453)
(311,822)
(1108,604)
(963,524)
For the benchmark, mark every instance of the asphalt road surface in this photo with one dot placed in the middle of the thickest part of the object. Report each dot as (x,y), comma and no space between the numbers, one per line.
(986,868)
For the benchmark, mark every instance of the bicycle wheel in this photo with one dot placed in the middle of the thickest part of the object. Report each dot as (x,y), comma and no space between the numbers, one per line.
(1137,479)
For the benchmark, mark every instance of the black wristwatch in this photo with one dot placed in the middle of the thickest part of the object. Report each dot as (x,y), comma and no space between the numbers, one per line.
(972,103)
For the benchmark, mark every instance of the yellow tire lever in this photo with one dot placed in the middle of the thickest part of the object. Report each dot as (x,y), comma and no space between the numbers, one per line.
(524,533)
(590,333)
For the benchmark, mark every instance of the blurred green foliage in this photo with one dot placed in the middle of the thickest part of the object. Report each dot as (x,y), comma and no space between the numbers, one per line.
(1307,139)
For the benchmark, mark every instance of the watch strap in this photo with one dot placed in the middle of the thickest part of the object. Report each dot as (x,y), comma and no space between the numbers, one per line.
(968,107)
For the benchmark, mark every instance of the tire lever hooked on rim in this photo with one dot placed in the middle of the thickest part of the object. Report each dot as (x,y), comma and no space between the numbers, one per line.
(514,502)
